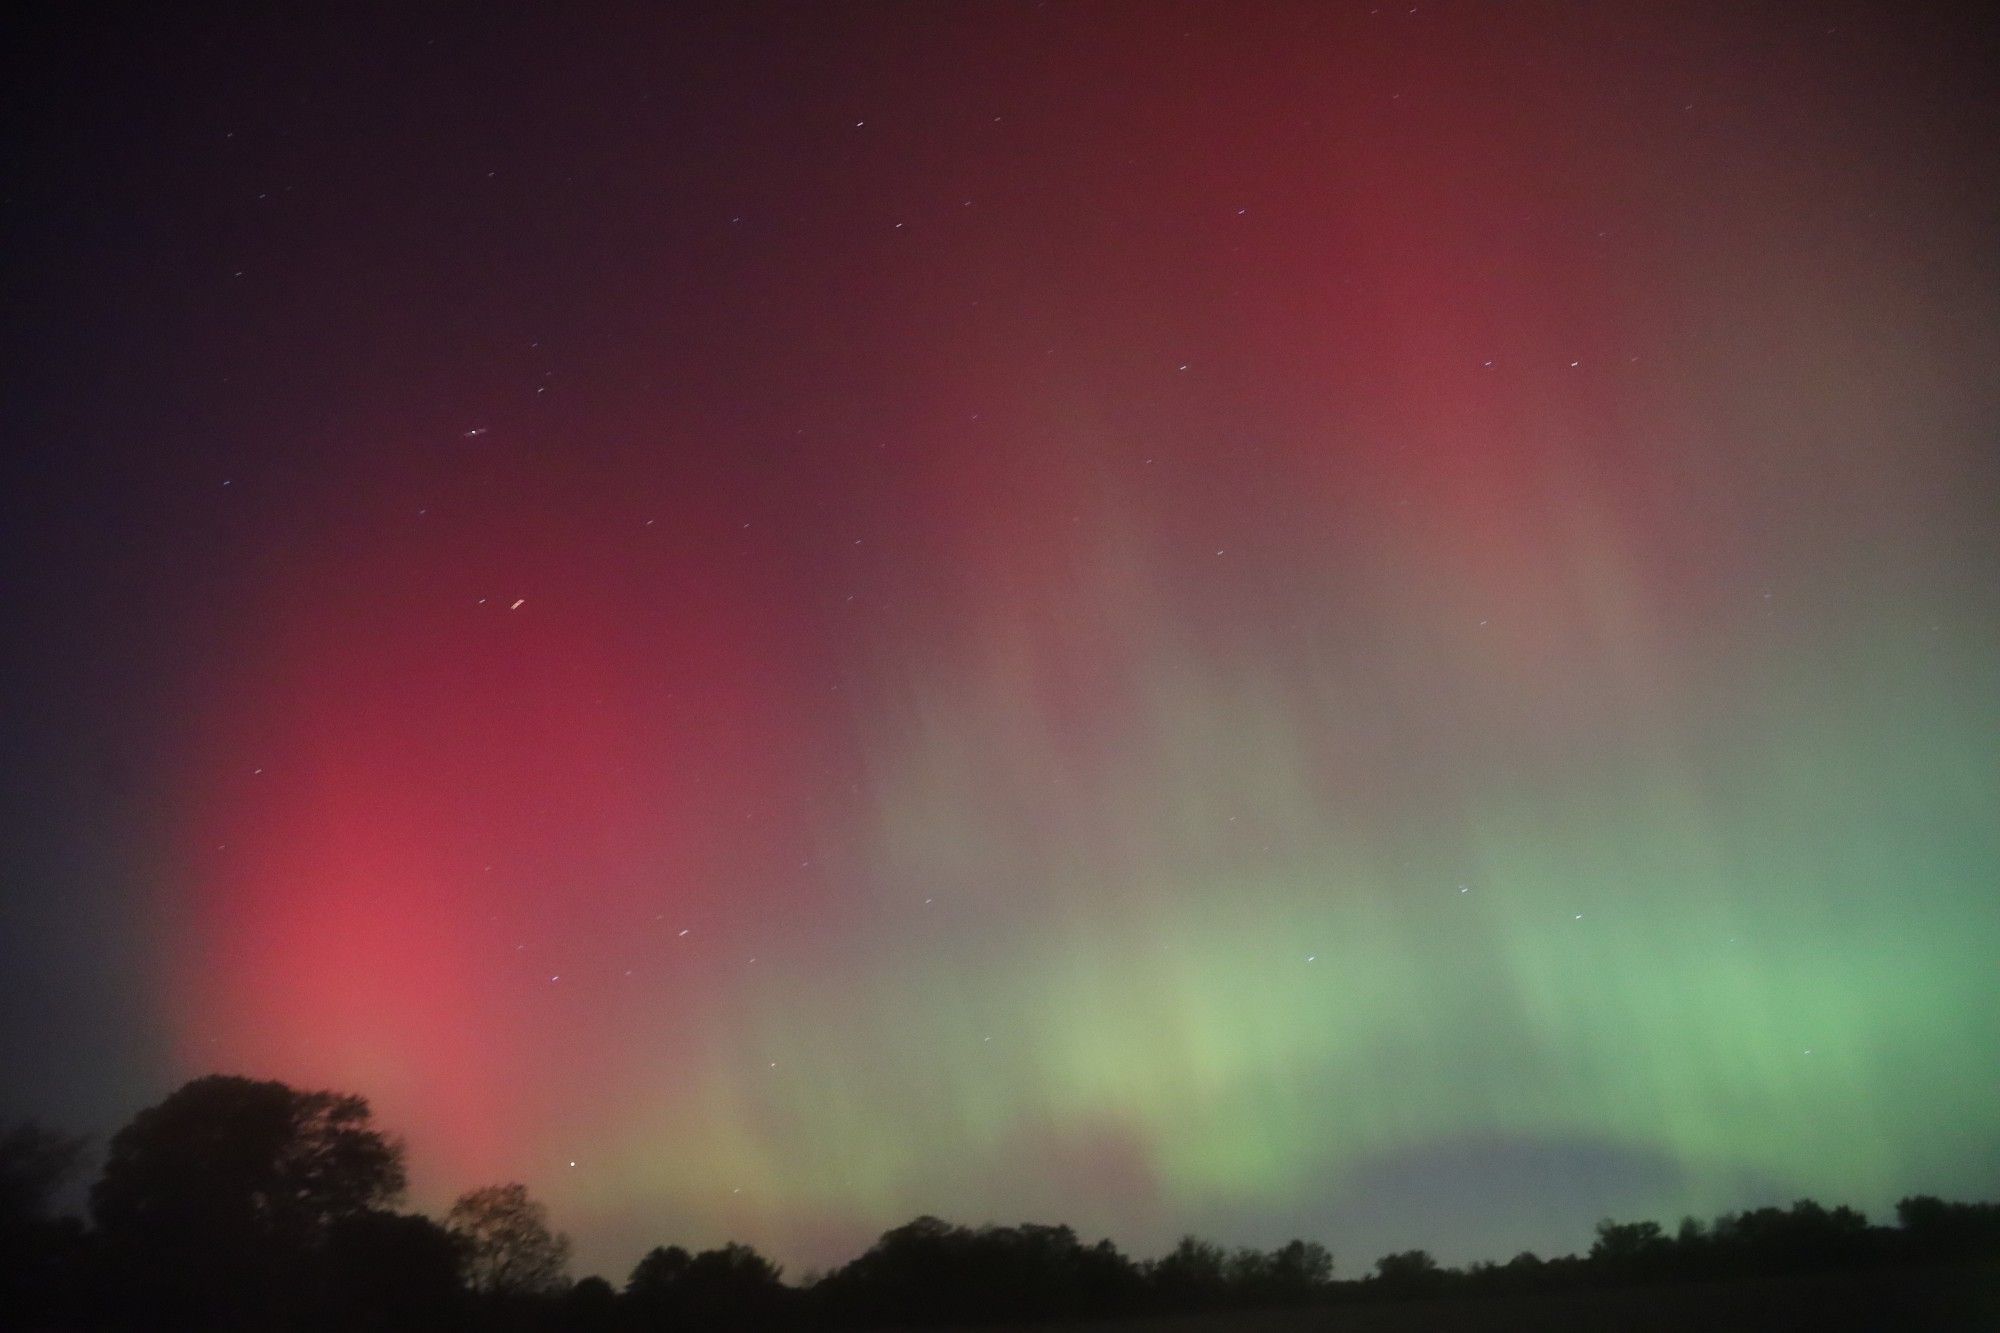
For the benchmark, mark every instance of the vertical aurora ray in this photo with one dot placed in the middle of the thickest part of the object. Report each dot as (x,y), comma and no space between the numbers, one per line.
(1383,644)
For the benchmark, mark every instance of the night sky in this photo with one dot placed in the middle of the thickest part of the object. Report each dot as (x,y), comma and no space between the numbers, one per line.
(1370,622)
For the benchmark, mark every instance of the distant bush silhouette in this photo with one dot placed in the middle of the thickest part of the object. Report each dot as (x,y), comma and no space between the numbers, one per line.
(237,1204)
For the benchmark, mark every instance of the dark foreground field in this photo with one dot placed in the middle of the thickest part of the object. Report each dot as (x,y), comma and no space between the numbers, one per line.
(1891,1301)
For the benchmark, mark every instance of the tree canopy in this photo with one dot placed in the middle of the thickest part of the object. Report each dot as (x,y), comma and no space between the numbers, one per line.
(508,1245)
(228,1160)
(240,1204)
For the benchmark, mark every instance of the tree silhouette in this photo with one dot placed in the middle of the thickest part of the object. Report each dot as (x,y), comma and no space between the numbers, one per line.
(226,1159)
(1949,1230)
(39,1252)
(1193,1273)
(1631,1248)
(653,1293)
(238,1204)
(931,1270)
(1524,1271)
(216,1204)
(730,1287)
(1409,1271)
(589,1306)
(33,1161)
(392,1270)
(733,1268)
(1247,1271)
(1299,1267)
(508,1246)
(733,1287)
(656,1275)
(1807,1235)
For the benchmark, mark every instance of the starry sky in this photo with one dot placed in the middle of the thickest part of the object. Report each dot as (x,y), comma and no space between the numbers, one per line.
(1376,622)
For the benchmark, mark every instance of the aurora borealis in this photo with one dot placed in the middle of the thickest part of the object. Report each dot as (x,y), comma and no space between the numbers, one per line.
(1378,623)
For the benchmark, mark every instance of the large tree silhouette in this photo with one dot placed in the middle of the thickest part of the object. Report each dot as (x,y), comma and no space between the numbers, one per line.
(227,1190)
(229,1159)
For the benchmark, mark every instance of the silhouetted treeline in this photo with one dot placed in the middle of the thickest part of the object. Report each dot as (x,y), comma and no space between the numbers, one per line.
(237,1204)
